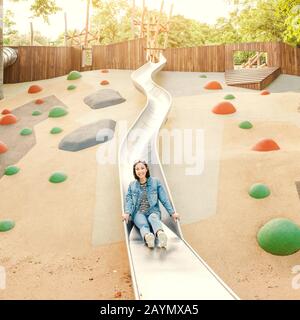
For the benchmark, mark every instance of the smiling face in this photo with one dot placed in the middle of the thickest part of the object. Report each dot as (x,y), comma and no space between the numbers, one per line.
(140,170)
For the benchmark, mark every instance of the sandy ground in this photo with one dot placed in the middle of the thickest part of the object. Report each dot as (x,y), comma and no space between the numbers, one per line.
(68,241)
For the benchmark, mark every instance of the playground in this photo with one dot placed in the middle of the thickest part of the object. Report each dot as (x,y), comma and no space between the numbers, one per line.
(62,236)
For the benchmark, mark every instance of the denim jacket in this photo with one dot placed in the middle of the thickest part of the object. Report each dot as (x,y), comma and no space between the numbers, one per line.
(155,192)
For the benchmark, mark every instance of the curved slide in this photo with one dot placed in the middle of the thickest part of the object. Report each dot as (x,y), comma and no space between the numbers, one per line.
(10,56)
(177,272)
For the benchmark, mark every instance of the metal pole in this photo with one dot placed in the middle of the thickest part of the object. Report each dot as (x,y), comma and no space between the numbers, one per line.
(31,33)
(66,30)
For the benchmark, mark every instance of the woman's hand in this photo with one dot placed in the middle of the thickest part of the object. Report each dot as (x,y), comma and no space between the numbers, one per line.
(175,216)
(125,217)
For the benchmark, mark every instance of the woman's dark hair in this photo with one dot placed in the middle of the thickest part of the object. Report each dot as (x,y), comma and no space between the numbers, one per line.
(145,164)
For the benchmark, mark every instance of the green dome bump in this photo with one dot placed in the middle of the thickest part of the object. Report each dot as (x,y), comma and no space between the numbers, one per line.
(74,75)
(6,225)
(36,113)
(26,132)
(229,97)
(57,112)
(56,130)
(259,191)
(12,170)
(203,76)
(279,237)
(58,177)
(71,87)
(246,125)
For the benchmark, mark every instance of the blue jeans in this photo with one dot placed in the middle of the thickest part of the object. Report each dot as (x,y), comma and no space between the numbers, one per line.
(144,221)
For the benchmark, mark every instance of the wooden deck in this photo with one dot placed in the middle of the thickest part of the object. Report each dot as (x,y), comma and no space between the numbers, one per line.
(256,79)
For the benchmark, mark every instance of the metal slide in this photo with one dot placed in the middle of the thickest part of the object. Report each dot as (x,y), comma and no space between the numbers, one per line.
(10,56)
(176,272)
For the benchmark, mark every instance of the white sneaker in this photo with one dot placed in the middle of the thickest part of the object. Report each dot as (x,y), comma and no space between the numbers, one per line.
(162,239)
(149,238)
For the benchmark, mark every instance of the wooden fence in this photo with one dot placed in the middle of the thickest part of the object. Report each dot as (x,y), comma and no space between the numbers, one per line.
(204,59)
(124,55)
(132,55)
(273,50)
(36,63)
(213,58)
(290,60)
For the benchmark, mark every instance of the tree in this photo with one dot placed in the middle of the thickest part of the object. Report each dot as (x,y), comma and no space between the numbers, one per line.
(112,20)
(40,8)
(8,28)
(290,10)
(260,21)
(187,32)
(43,8)
(226,30)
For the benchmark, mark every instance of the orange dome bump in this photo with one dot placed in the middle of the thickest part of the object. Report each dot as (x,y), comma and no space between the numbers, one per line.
(104,71)
(35,89)
(5,111)
(266,145)
(3,147)
(213,85)
(8,119)
(39,101)
(224,108)
(104,83)
(265,93)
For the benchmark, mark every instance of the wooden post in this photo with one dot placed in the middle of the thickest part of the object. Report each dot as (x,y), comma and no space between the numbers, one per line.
(258,59)
(88,2)
(155,40)
(132,19)
(148,34)
(143,19)
(31,33)
(168,26)
(72,38)
(66,30)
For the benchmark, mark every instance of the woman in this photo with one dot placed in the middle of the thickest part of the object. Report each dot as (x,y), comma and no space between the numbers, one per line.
(142,205)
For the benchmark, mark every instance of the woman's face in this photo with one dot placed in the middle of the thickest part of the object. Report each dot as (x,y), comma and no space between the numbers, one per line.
(140,170)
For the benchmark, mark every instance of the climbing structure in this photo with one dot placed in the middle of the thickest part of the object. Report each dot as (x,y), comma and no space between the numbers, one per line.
(151,27)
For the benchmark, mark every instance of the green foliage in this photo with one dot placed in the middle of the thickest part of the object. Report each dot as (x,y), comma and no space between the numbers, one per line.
(18,39)
(111,20)
(44,8)
(291,11)
(250,20)
(269,20)
(259,22)
(187,32)
(241,57)
(40,8)
(9,30)
(226,31)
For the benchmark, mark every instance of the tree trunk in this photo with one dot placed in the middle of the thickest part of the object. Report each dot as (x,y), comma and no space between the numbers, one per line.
(1,49)
(31,33)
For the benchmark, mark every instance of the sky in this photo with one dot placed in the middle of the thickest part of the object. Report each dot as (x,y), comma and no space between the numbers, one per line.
(203,11)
